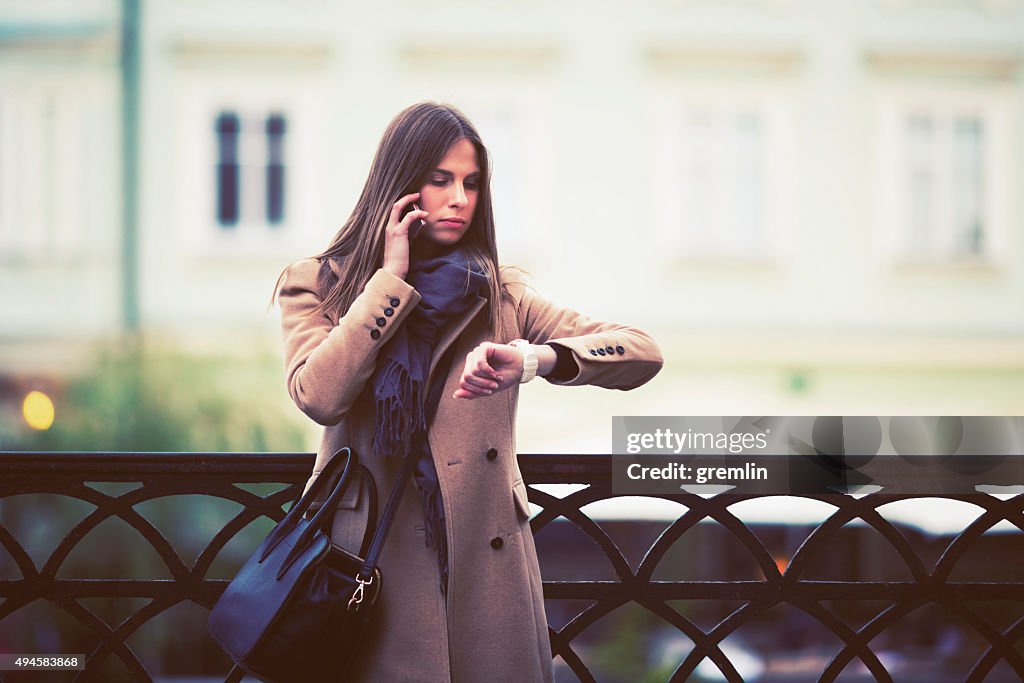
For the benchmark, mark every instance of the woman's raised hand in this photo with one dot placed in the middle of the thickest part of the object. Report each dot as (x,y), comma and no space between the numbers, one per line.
(489,368)
(396,236)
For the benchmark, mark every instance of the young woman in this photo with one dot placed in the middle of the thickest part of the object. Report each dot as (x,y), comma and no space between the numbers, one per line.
(404,335)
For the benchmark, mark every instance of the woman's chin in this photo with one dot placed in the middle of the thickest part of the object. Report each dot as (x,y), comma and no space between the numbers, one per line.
(444,238)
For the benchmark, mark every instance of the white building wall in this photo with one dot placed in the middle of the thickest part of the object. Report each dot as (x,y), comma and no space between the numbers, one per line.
(583,103)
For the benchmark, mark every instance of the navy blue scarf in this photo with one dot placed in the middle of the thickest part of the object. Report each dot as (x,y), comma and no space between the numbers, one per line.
(448,283)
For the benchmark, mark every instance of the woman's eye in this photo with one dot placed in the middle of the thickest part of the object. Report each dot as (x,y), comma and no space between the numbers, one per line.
(440,182)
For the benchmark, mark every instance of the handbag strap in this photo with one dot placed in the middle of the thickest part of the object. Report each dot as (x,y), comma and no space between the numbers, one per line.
(326,513)
(299,507)
(370,549)
(433,398)
(381,534)
(320,520)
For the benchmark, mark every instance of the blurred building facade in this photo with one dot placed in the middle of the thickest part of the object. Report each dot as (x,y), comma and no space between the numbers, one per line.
(814,206)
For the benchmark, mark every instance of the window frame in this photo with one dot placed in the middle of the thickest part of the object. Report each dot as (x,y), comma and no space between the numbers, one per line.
(772,98)
(204,96)
(53,189)
(896,101)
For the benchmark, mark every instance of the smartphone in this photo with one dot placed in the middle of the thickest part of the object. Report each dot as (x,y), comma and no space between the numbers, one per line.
(417,225)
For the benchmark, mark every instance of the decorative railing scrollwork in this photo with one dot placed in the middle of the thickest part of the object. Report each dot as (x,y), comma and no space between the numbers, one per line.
(217,476)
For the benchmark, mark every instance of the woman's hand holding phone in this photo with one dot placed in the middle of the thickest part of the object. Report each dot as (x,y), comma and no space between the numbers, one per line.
(402,229)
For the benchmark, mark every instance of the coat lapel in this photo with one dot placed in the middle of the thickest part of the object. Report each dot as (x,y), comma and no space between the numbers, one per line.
(452,331)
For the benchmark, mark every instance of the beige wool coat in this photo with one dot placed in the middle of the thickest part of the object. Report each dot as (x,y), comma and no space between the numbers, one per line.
(492,625)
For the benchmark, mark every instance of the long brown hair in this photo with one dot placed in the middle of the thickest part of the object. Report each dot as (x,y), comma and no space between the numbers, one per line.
(413,145)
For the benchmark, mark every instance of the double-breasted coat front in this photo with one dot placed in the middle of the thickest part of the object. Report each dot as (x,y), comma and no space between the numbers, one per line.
(492,625)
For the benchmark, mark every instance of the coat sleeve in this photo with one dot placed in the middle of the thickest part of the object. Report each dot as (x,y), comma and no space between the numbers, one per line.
(607,354)
(327,365)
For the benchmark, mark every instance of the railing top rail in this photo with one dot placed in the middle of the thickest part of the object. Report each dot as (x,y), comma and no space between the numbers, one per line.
(118,465)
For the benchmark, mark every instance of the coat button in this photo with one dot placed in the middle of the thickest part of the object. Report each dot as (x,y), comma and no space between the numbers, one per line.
(602,352)
(593,352)
(610,350)
(492,453)
(375,334)
(381,322)
(496,542)
(620,349)
(389,311)
(394,301)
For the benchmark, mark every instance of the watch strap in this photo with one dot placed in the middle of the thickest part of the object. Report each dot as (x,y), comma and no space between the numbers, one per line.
(530,361)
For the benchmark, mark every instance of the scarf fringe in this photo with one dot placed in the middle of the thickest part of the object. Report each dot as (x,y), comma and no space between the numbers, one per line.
(399,415)
(434,531)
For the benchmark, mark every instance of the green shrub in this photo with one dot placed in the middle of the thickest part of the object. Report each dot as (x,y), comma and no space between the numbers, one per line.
(144,399)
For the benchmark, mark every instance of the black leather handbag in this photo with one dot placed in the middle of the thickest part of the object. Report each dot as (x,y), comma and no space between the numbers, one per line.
(299,607)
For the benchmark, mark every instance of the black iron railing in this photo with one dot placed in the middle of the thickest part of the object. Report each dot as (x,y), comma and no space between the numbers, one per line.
(219,475)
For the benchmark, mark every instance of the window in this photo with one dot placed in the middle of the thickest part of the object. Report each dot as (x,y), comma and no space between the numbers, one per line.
(721,179)
(44,169)
(945,187)
(942,169)
(250,169)
(725,156)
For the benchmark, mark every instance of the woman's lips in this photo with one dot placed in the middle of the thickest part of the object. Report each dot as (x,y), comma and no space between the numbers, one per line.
(451,223)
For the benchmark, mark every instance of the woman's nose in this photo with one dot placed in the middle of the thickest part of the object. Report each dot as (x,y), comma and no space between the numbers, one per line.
(458,196)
